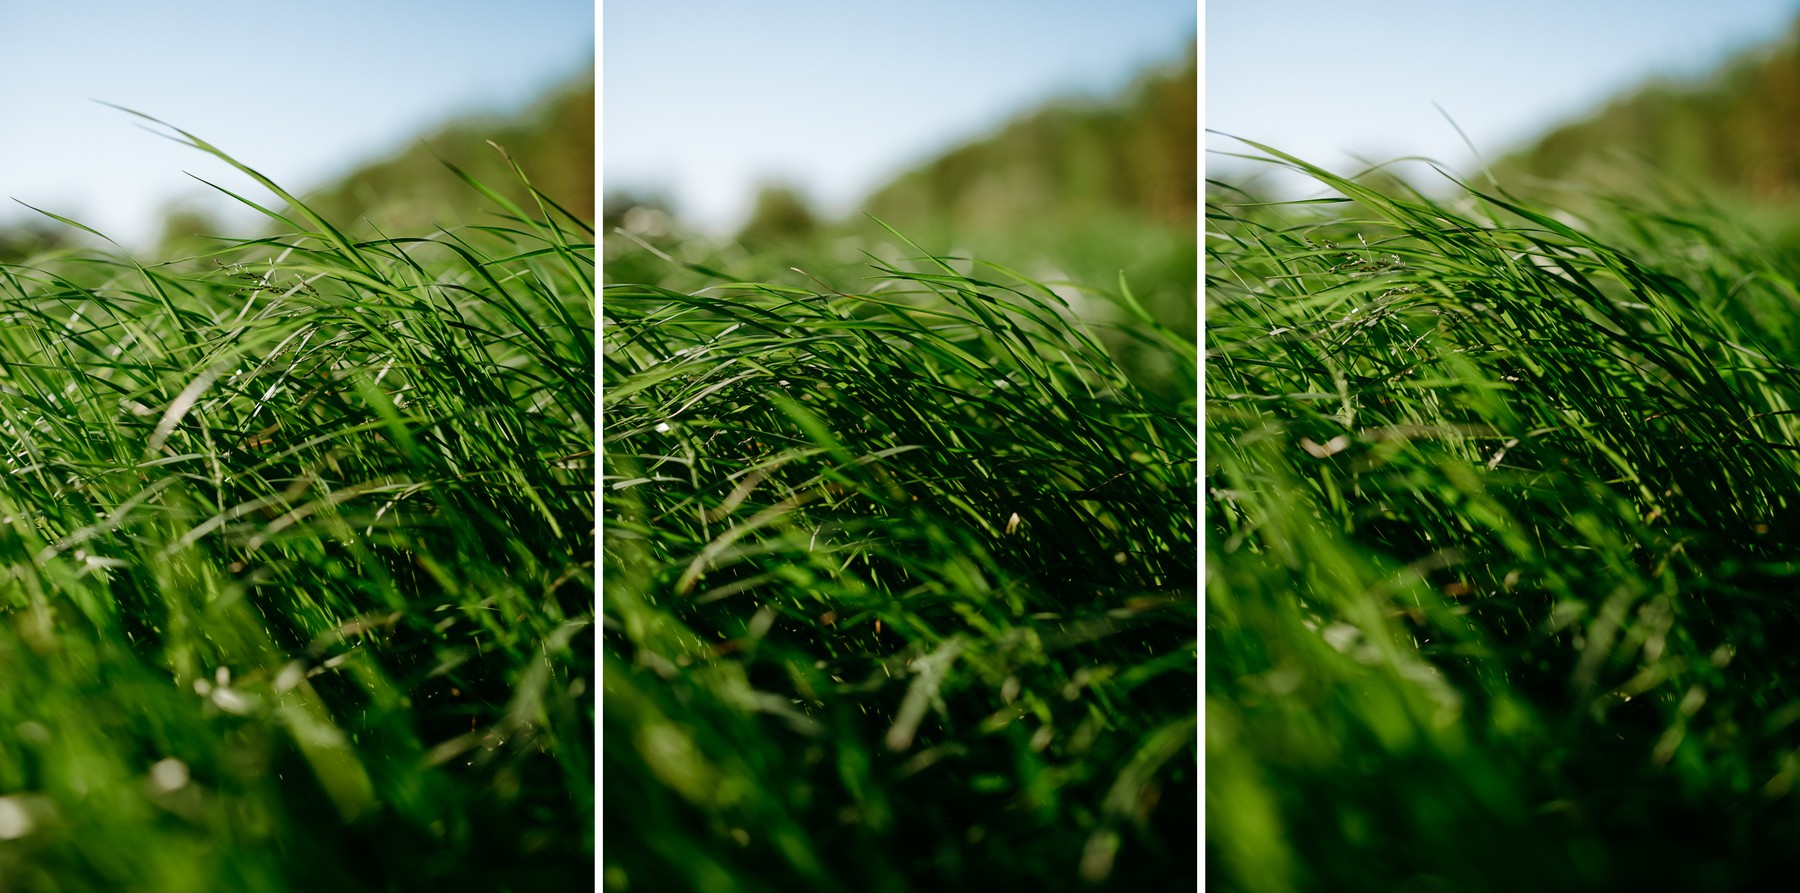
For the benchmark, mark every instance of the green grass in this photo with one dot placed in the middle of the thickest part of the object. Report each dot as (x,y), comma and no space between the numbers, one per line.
(1501,523)
(296,562)
(900,587)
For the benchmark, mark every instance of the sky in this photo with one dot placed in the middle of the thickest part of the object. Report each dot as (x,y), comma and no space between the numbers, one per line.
(302,92)
(703,101)
(1329,81)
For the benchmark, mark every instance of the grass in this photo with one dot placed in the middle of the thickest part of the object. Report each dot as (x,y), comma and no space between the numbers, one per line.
(899,588)
(1501,511)
(297,538)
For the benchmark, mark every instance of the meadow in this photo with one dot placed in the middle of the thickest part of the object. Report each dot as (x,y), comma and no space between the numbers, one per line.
(1501,530)
(297,537)
(899,577)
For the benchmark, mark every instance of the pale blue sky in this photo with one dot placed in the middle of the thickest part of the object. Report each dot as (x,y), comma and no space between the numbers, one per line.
(1324,78)
(702,100)
(299,91)
(705,97)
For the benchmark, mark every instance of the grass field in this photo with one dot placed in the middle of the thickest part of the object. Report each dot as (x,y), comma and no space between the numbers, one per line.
(900,585)
(1502,519)
(296,561)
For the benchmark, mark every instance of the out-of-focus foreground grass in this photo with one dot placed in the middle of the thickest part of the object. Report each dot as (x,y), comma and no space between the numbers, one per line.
(1501,518)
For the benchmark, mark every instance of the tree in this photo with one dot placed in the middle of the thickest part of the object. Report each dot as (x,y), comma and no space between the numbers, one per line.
(781,215)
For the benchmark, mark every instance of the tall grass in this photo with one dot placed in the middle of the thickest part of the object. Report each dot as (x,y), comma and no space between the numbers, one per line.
(899,589)
(297,542)
(1501,525)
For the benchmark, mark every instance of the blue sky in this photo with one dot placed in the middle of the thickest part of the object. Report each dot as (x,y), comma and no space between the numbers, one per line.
(1322,79)
(702,100)
(299,91)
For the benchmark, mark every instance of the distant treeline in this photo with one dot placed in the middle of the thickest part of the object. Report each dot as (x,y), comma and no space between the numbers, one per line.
(1066,161)
(1084,191)
(1063,166)
(1735,132)
(412,191)
(553,142)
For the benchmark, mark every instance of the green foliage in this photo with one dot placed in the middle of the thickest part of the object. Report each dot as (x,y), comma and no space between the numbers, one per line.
(1063,163)
(1735,133)
(1077,192)
(781,215)
(413,191)
(1094,198)
(1501,518)
(296,585)
(31,239)
(899,588)
(900,568)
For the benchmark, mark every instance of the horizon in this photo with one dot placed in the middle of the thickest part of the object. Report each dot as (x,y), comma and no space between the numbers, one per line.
(291,92)
(704,134)
(1332,101)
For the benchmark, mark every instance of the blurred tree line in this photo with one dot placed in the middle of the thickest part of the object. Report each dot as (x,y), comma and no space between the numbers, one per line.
(1062,167)
(553,141)
(1065,163)
(1733,134)
(33,237)
(412,191)
(1075,190)
(781,216)
(1083,191)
